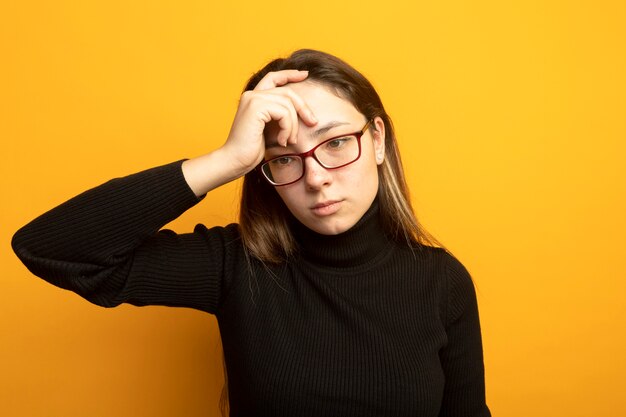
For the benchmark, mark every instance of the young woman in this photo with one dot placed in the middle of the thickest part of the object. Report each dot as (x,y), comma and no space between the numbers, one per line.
(330,297)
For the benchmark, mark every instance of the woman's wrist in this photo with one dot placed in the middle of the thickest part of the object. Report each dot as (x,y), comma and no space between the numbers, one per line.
(207,172)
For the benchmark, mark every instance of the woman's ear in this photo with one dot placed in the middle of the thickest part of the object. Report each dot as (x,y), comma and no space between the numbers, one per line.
(379,140)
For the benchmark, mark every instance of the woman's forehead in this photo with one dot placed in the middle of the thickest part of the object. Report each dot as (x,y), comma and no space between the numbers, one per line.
(325,103)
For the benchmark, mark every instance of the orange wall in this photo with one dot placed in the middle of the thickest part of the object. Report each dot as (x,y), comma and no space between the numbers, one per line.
(511,117)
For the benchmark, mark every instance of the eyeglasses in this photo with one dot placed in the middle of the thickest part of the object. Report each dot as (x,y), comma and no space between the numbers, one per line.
(333,153)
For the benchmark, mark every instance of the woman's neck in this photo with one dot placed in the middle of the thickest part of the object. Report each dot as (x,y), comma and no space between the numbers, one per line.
(356,246)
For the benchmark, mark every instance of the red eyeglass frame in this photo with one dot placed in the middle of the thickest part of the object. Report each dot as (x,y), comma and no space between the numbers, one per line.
(311,153)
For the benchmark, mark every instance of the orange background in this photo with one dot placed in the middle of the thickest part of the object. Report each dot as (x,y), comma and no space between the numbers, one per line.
(511,120)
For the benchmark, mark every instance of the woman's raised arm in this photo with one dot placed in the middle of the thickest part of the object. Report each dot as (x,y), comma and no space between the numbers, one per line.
(271,100)
(105,243)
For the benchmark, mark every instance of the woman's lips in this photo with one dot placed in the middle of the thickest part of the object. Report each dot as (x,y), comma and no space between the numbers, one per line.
(326,208)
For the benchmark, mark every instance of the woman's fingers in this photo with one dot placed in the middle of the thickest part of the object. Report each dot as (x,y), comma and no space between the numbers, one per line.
(272,100)
(282,114)
(266,108)
(278,78)
(274,82)
(283,106)
(300,106)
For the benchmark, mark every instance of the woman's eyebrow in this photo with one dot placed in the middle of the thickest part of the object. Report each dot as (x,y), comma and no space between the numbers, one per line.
(328,126)
(315,134)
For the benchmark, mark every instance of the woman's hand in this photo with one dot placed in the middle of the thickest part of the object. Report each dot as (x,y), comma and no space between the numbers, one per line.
(271,101)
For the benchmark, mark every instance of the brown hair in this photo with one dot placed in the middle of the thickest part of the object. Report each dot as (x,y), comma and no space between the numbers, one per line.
(263,216)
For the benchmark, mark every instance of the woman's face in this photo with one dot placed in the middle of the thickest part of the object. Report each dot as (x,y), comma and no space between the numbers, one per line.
(330,201)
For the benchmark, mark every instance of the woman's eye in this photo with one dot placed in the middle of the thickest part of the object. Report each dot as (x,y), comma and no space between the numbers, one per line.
(338,143)
(282,161)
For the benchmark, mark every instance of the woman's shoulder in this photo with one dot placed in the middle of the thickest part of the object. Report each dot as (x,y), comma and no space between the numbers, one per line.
(454,270)
(436,253)
(449,269)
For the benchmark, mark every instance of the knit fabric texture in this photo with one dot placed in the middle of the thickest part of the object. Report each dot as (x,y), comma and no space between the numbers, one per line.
(352,325)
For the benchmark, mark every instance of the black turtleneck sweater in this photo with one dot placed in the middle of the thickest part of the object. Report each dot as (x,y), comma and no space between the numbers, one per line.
(353,325)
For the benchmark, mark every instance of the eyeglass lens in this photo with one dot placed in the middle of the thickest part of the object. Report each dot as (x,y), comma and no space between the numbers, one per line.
(330,154)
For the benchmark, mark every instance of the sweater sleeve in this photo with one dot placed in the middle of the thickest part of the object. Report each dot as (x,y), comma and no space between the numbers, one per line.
(106,244)
(462,357)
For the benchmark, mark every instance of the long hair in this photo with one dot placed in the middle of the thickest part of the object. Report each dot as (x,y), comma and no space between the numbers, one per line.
(263,217)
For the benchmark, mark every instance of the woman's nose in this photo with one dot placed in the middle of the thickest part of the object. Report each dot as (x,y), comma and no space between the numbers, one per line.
(315,175)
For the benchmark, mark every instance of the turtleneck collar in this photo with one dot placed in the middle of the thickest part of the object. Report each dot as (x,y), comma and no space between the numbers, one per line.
(359,245)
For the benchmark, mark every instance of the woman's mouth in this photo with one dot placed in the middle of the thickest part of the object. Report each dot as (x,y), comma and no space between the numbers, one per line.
(326,208)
